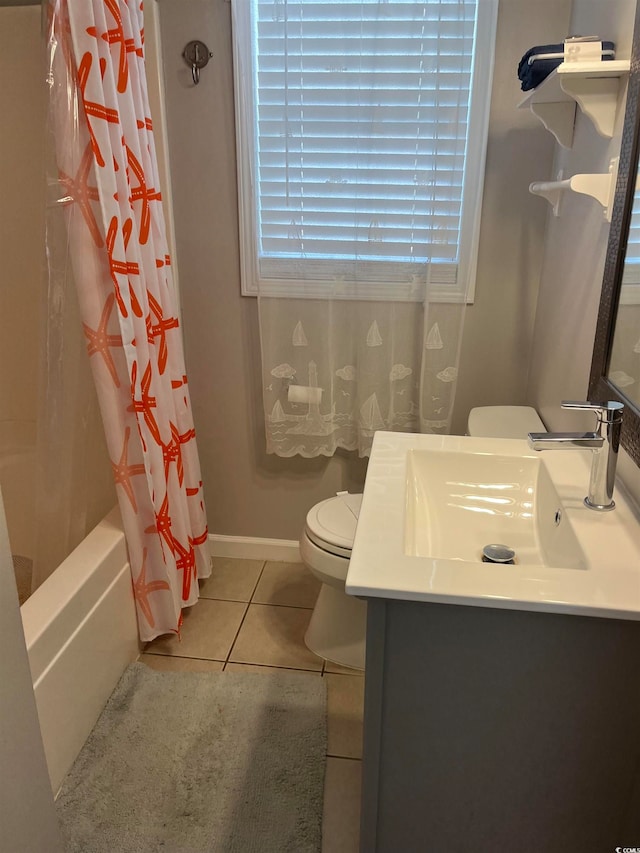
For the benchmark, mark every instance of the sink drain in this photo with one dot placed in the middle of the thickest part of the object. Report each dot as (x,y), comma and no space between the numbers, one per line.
(498,554)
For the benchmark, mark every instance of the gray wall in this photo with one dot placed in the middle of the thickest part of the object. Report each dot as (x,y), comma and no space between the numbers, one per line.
(249,493)
(574,254)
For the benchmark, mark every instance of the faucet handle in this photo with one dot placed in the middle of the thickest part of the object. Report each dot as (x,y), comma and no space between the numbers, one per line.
(609,412)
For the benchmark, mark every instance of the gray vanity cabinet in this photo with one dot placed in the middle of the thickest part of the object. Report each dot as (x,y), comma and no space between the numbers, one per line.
(490,730)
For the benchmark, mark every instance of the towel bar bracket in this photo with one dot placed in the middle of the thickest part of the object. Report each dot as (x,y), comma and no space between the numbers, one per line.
(601,187)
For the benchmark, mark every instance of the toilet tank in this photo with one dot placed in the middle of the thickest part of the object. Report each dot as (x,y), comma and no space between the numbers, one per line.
(504,421)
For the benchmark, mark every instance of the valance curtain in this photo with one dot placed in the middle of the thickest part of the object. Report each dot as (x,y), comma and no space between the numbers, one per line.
(360,119)
(107,185)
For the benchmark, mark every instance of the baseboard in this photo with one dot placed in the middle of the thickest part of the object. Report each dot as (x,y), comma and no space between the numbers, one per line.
(252,548)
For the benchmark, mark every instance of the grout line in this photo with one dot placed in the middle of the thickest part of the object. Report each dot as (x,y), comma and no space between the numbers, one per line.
(230,600)
(289,606)
(270,666)
(244,616)
(260,573)
(357,673)
(183,657)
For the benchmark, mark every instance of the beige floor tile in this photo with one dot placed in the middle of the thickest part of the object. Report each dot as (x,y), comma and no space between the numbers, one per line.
(341,814)
(275,636)
(169,663)
(232,580)
(261,670)
(345,670)
(345,710)
(290,584)
(208,631)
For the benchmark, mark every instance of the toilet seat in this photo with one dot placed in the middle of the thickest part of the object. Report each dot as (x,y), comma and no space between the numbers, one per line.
(331,524)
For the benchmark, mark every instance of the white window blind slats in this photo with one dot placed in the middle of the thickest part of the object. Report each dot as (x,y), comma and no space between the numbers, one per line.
(300,181)
(361,116)
(359,113)
(332,248)
(334,68)
(395,164)
(283,220)
(380,146)
(310,76)
(361,17)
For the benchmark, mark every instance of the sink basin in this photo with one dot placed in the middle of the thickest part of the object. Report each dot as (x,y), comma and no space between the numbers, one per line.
(432,502)
(459,502)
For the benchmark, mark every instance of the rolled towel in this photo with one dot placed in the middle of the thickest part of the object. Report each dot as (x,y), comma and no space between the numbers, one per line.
(537,72)
(524,66)
(538,62)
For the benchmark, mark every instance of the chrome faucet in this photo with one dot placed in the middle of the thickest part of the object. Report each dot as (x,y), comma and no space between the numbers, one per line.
(604,442)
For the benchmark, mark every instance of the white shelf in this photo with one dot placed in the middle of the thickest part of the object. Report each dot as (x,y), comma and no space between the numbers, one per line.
(593,86)
(601,187)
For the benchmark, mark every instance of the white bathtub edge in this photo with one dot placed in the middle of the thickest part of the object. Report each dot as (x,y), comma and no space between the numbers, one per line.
(81,633)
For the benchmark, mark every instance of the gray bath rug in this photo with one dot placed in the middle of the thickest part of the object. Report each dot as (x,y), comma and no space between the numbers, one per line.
(187,762)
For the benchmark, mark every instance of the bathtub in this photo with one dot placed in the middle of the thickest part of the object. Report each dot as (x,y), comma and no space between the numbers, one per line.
(81,634)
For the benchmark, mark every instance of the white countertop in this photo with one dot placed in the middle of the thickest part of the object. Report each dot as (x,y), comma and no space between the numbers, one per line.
(608,586)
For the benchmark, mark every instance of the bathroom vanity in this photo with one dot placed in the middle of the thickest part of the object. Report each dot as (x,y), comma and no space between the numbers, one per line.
(502,705)
(490,730)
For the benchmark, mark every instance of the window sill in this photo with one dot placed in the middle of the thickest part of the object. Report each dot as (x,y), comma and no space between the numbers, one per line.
(360,291)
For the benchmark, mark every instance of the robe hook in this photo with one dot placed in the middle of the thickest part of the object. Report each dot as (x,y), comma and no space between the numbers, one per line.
(196,54)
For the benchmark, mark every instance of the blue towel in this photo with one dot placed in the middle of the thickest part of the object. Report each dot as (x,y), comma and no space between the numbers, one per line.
(532,74)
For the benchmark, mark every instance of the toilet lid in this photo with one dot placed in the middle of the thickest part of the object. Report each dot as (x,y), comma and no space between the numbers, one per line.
(504,421)
(331,524)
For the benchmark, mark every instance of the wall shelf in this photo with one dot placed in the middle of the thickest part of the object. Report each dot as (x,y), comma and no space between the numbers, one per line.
(593,86)
(601,187)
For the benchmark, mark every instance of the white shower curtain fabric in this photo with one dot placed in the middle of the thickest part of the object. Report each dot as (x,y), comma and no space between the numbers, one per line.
(362,205)
(108,185)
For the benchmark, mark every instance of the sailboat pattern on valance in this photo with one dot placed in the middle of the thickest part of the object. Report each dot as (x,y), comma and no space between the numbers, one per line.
(336,372)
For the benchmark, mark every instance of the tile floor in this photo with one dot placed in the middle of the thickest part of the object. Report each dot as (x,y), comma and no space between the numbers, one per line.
(251,617)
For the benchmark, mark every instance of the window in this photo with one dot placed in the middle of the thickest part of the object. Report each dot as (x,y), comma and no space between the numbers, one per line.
(361,128)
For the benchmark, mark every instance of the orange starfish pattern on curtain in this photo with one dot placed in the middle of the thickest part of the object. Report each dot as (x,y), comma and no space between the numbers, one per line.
(108,172)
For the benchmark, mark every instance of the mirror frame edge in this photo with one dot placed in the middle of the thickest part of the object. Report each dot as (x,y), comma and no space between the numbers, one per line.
(600,386)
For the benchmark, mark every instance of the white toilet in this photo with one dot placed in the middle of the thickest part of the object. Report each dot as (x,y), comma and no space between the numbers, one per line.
(337,628)
(338,624)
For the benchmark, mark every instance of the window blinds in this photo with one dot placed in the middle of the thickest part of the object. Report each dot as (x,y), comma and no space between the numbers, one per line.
(362,114)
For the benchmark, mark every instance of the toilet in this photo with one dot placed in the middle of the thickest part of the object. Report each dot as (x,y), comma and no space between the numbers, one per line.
(337,628)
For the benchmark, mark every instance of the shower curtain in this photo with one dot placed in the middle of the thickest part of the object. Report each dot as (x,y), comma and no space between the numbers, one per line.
(359,328)
(108,186)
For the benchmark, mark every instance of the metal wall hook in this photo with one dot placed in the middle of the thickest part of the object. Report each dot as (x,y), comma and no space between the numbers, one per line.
(196,54)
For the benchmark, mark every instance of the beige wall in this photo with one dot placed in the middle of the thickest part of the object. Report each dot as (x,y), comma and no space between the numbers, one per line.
(27,813)
(252,494)
(21,220)
(574,254)
(65,487)
(498,331)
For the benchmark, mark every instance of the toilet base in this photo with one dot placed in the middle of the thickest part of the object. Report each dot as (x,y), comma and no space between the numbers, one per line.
(337,628)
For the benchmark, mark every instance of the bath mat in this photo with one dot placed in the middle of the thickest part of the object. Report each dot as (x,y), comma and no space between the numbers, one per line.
(191,761)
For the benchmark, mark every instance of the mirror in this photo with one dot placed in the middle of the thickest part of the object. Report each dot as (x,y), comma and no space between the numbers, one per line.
(615,368)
